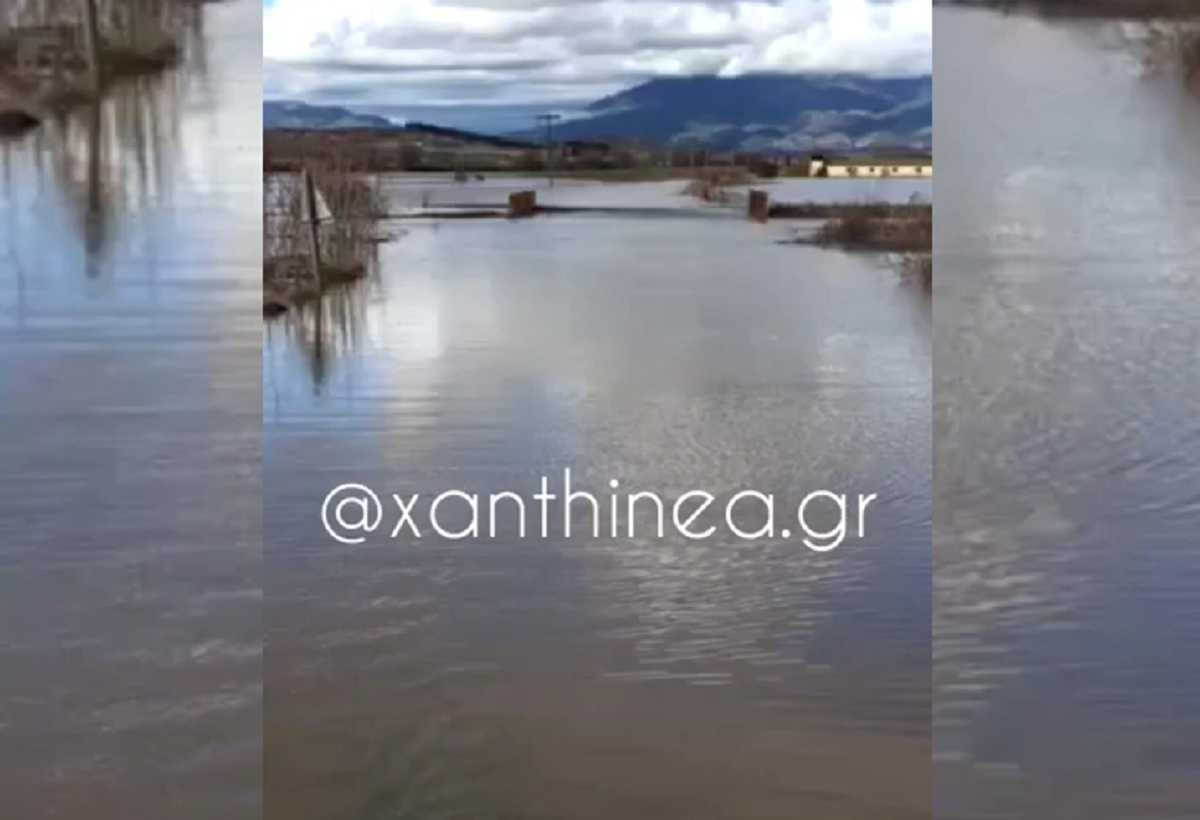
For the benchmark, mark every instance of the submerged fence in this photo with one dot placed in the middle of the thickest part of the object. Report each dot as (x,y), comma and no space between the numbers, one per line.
(345,207)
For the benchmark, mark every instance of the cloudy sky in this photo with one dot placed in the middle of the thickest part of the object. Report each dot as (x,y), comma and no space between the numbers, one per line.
(368,53)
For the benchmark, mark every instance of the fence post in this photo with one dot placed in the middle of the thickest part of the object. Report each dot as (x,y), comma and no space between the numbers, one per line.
(91,29)
(314,224)
(760,206)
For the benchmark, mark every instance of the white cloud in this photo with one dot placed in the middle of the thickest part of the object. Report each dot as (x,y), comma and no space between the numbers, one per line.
(506,51)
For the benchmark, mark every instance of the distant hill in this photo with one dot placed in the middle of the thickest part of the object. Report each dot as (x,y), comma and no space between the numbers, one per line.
(304,117)
(757,112)
(288,114)
(469,136)
(765,112)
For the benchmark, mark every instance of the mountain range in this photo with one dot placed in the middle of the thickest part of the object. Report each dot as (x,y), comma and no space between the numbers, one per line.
(757,112)
(765,111)
(278,114)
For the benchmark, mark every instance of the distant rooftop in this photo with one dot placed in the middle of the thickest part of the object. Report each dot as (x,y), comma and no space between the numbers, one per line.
(875,160)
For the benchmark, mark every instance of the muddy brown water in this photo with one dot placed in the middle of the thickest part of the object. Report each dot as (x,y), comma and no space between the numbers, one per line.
(1067,440)
(130,400)
(602,678)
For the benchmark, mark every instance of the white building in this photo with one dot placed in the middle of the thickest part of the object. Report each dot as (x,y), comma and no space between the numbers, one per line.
(913,166)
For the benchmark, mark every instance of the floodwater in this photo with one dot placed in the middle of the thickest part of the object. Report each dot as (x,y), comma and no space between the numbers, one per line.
(600,677)
(1067,586)
(130,460)
(423,191)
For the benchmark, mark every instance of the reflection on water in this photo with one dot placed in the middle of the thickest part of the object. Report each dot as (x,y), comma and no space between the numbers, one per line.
(326,330)
(101,162)
(630,678)
(129,459)
(1067,439)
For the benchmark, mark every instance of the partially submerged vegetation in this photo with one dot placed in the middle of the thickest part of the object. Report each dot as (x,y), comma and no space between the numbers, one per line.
(906,231)
(881,226)
(917,269)
(902,228)
(1174,45)
(713,184)
(349,205)
(56,54)
(837,210)
(1170,39)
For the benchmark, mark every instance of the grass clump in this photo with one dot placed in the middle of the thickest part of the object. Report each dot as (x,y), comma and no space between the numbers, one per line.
(1175,46)
(917,269)
(713,184)
(871,227)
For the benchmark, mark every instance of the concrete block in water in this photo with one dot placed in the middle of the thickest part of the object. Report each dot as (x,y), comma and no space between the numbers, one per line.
(522,203)
(759,206)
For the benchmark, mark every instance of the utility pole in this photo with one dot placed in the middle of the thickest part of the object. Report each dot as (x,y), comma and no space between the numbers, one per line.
(548,121)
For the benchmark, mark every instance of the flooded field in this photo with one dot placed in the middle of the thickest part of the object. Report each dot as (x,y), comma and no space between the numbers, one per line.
(1067,586)
(417,191)
(130,393)
(603,678)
